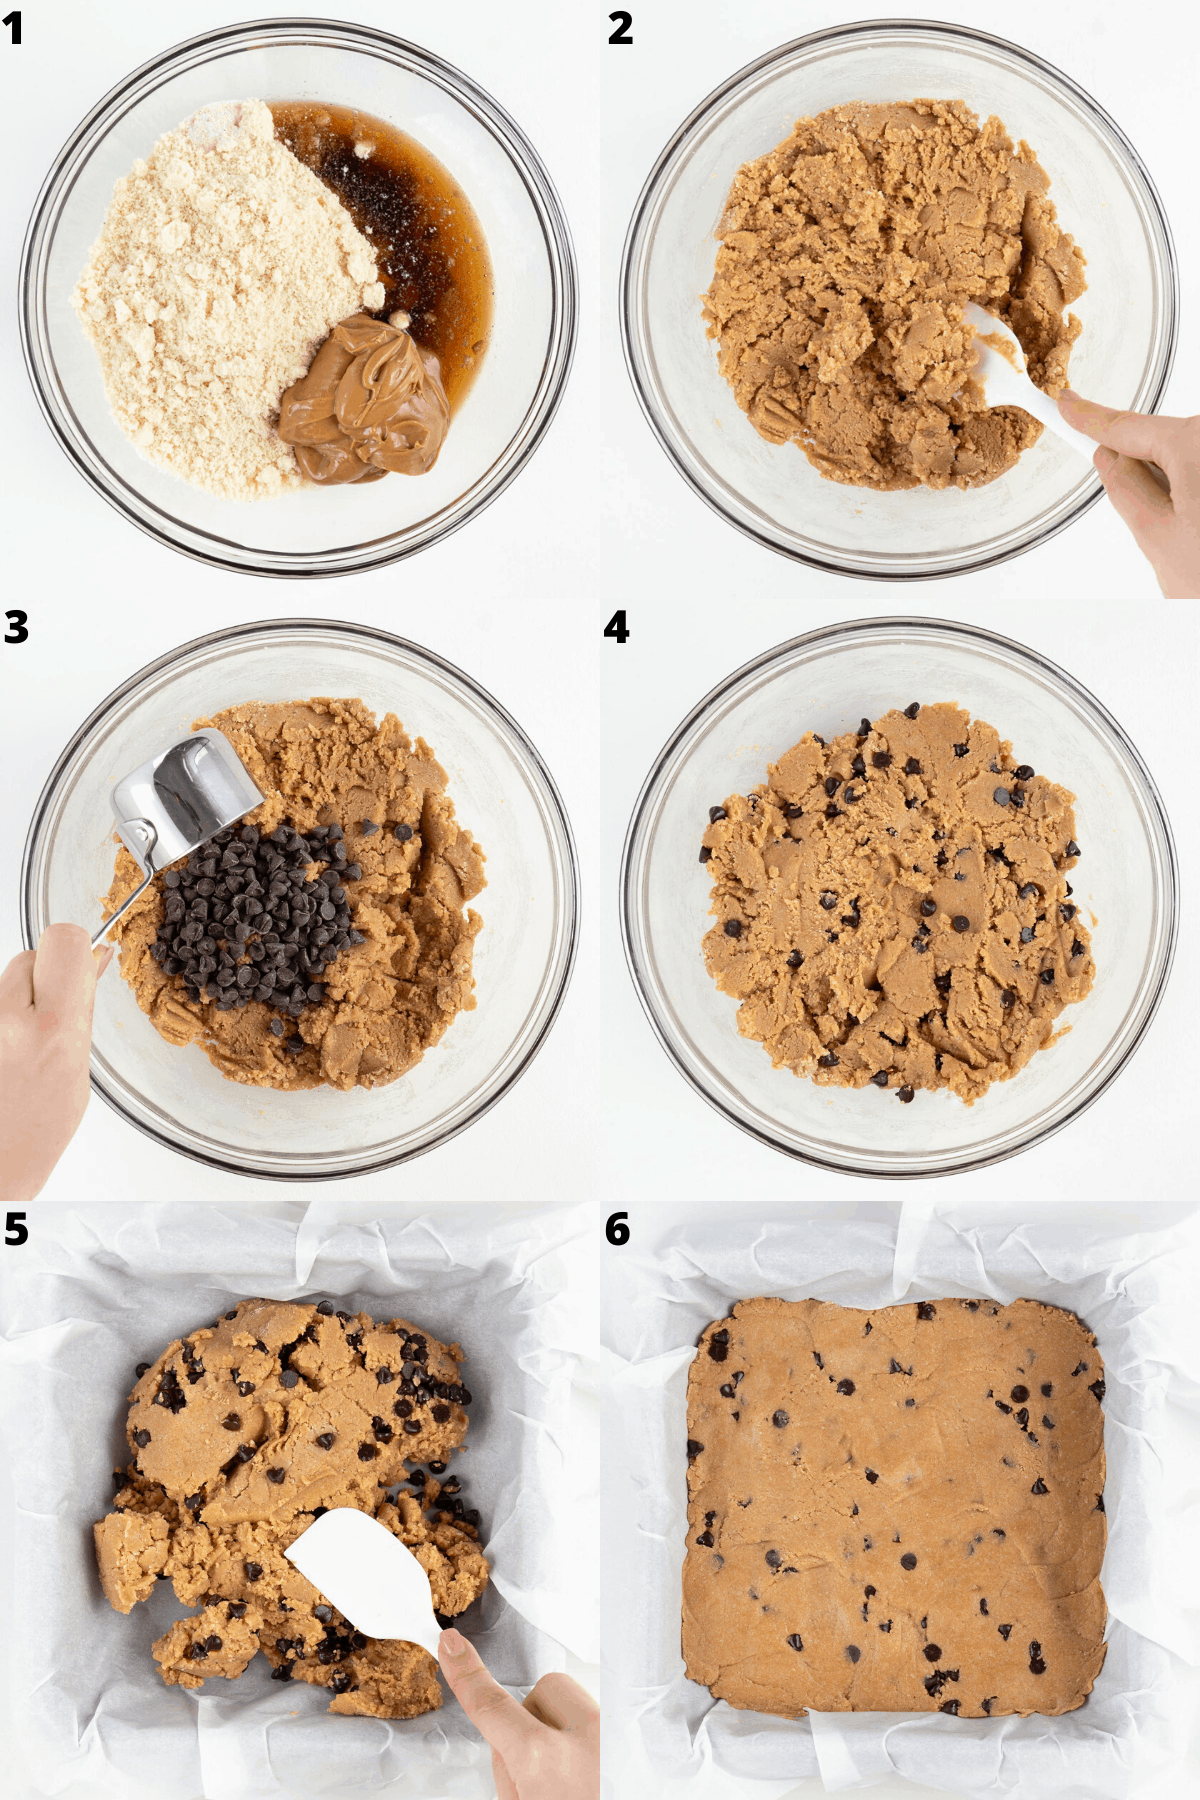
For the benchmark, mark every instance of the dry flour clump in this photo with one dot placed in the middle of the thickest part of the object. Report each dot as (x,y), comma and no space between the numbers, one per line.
(223,264)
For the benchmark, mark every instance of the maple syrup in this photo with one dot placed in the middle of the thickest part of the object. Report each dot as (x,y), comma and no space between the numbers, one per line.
(429,245)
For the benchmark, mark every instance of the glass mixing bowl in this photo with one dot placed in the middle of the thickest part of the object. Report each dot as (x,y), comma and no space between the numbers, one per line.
(826,681)
(503,795)
(520,380)
(1104,197)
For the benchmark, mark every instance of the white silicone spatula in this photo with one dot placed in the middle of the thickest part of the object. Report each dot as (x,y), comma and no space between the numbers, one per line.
(1007,385)
(373,1579)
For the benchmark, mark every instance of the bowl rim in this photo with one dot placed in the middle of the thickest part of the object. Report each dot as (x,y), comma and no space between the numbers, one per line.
(201,544)
(634,864)
(637,248)
(568,930)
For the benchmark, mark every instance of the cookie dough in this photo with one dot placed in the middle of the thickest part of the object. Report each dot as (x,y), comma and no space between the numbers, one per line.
(386,1000)
(895,1511)
(893,907)
(847,255)
(245,1431)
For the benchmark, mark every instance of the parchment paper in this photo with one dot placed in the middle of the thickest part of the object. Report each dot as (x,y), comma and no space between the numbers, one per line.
(1126,1274)
(96,1291)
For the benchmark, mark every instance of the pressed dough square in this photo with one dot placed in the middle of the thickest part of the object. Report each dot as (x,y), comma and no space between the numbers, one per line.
(828,1447)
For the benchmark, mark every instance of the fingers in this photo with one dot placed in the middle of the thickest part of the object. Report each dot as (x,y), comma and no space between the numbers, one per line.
(506,1787)
(1135,495)
(64,974)
(560,1702)
(103,957)
(498,1718)
(1128,433)
(16,983)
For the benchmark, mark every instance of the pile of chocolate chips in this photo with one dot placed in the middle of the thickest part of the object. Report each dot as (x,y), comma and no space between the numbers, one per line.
(242,922)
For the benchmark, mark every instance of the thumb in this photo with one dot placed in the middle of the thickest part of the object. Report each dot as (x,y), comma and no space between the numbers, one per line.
(1141,435)
(1136,496)
(502,1721)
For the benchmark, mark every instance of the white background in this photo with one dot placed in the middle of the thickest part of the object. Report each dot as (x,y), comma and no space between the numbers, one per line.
(599,519)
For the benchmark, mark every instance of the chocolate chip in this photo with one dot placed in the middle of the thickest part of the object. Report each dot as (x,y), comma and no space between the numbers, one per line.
(880,1078)
(1008,999)
(367,1453)
(411,1426)
(402,833)
(1047,977)
(733,928)
(845,1385)
(705,853)
(327,1439)
(715,813)
(853,1652)
(926,1310)
(983,1608)
(961,922)
(779,1419)
(439,1468)
(795,1640)
(828,900)
(828,1061)
(441,1414)
(694,1447)
(194,1502)
(244,1388)
(1039,1487)
(908,1560)
(1072,849)
(1019,1394)
(1002,1407)
(881,759)
(933,1652)
(276,1475)
(253,1573)
(871,1476)
(905,1095)
(910,712)
(141,1439)
(1036,1665)
(289,1378)
(773,1559)
(1097,1388)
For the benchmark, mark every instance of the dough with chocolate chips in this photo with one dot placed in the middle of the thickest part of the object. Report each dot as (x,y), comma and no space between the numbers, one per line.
(240,1434)
(893,907)
(386,1001)
(847,255)
(895,1511)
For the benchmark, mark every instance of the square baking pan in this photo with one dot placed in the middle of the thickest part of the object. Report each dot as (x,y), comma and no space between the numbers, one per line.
(1123,1271)
(96,1291)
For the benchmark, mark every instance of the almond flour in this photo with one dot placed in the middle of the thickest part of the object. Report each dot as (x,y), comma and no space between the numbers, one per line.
(223,264)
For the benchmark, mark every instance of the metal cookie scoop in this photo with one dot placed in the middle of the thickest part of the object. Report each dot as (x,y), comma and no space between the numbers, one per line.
(176,802)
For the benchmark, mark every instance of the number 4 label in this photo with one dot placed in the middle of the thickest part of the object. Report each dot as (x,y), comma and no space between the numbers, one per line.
(616,627)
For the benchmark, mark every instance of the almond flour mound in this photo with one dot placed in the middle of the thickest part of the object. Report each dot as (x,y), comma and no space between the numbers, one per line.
(223,264)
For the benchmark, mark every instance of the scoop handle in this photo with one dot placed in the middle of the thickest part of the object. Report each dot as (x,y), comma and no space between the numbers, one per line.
(139,828)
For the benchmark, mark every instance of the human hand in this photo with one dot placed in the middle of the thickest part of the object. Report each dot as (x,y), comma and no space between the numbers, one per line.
(45,1039)
(1165,527)
(545,1749)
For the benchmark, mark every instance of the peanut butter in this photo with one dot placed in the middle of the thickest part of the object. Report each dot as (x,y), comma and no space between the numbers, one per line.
(372,402)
